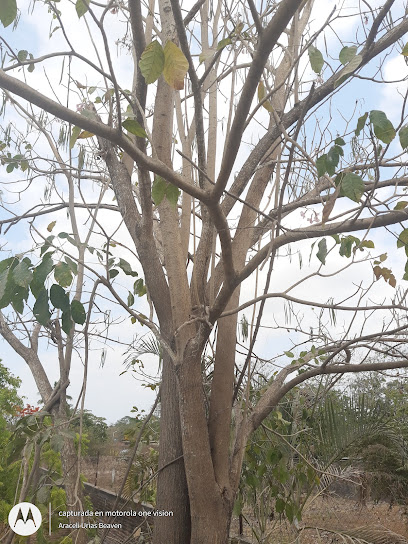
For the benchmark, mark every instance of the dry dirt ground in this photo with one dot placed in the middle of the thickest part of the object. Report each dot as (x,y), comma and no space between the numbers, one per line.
(336,514)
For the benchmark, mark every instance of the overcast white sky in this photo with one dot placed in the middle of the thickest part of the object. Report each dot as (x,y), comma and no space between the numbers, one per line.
(110,394)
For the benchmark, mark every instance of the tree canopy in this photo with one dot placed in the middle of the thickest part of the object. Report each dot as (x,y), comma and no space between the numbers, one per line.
(228,176)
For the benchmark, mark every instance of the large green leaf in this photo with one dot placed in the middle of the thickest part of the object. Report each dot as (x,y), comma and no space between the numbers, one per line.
(158,190)
(352,186)
(78,312)
(41,309)
(347,54)
(383,127)
(161,189)
(8,11)
(3,283)
(81,7)
(40,274)
(403,137)
(63,274)
(22,273)
(322,253)
(321,165)
(172,194)
(127,269)
(175,66)
(132,126)
(360,124)
(348,70)
(316,59)
(67,322)
(403,239)
(59,298)
(152,62)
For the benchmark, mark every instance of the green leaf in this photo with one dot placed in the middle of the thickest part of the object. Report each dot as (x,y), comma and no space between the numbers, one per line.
(352,186)
(74,136)
(22,55)
(139,288)
(403,239)
(332,159)
(316,59)
(223,43)
(113,273)
(72,265)
(3,283)
(127,269)
(347,54)
(360,124)
(348,70)
(172,194)
(40,274)
(383,128)
(22,274)
(175,66)
(81,7)
(152,62)
(339,141)
(67,322)
(132,126)
(289,354)
(321,165)
(59,298)
(41,309)
(130,299)
(347,244)
(78,312)
(289,511)
(8,11)
(279,505)
(403,137)
(322,253)
(158,189)
(63,274)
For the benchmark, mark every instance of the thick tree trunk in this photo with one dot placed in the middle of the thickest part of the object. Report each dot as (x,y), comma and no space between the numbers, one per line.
(72,485)
(172,493)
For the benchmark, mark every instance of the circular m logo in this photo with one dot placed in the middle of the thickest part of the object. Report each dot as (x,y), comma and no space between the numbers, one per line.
(24,519)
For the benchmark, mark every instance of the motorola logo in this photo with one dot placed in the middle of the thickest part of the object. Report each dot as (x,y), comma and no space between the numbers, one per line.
(24,519)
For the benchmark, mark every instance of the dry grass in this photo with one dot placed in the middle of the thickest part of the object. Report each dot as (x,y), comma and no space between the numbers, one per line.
(335,514)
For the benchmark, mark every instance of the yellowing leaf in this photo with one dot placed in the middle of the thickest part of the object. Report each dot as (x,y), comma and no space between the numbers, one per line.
(405,50)
(152,62)
(175,66)
(261,95)
(74,136)
(51,226)
(85,134)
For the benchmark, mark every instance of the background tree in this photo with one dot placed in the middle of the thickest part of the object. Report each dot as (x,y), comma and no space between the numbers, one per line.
(224,156)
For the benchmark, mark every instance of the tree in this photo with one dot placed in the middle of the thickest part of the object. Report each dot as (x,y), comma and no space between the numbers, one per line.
(226,144)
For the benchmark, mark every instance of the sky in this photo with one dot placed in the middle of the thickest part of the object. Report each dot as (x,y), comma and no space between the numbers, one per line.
(110,392)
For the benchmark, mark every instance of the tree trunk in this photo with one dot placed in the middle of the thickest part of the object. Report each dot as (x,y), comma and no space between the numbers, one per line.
(172,493)
(73,487)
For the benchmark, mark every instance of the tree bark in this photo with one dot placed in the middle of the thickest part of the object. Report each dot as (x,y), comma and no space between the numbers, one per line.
(172,492)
